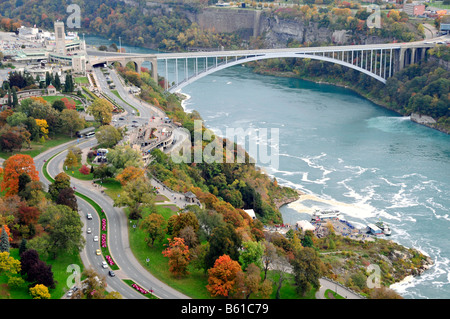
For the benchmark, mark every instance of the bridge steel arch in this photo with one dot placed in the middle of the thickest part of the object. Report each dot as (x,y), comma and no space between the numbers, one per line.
(242,60)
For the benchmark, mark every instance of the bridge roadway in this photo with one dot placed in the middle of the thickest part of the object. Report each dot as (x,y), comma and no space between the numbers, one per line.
(379,61)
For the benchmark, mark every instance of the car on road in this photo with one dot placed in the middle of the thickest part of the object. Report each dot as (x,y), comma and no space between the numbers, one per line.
(95,238)
(89,216)
(134,121)
(98,252)
(69,293)
(121,118)
(88,231)
(104,264)
(111,273)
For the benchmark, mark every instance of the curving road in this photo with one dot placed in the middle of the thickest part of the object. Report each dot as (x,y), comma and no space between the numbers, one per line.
(118,241)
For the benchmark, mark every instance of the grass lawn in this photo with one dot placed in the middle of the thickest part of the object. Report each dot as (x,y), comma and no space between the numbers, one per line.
(37,148)
(81,80)
(74,172)
(60,275)
(52,98)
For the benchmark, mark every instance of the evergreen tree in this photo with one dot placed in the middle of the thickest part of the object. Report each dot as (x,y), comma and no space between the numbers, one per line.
(4,241)
(9,97)
(48,79)
(23,246)
(15,100)
(57,82)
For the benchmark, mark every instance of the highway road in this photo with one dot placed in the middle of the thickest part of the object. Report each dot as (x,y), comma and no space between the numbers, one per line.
(118,241)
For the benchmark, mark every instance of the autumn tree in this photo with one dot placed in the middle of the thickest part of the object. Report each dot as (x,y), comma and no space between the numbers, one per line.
(101,110)
(179,256)
(154,225)
(180,221)
(222,277)
(67,197)
(43,126)
(39,291)
(9,265)
(249,283)
(35,270)
(71,160)
(84,170)
(14,166)
(129,173)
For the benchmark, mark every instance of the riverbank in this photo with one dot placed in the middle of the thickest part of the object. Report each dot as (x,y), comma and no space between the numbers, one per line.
(417,118)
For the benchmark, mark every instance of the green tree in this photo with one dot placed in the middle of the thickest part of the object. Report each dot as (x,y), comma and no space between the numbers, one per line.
(251,253)
(71,121)
(223,241)
(71,160)
(63,228)
(136,196)
(108,136)
(154,225)
(4,241)
(307,269)
(61,181)
(101,110)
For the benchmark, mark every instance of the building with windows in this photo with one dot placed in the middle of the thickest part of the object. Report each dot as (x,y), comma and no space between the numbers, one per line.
(414,9)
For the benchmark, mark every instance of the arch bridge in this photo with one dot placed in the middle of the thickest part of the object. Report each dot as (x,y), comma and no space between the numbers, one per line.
(380,61)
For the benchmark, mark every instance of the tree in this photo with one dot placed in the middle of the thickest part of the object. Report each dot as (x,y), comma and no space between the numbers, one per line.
(63,228)
(39,292)
(94,286)
(10,141)
(71,160)
(251,253)
(68,85)
(8,265)
(4,241)
(249,283)
(61,181)
(35,270)
(84,170)
(13,167)
(307,269)
(135,195)
(67,197)
(59,105)
(154,225)
(71,121)
(222,277)
(178,254)
(180,221)
(123,156)
(43,126)
(108,136)
(101,110)
(130,173)
(223,241)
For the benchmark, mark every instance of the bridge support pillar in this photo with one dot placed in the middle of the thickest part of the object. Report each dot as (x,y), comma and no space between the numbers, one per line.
(401,64)
(154,71)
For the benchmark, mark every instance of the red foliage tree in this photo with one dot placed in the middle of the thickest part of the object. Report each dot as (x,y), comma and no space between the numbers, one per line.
(84,170)
(13,167)
(178,254)
(222,277)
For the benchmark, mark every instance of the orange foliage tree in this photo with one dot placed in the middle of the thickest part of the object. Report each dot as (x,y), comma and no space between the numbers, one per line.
(222,277)
(13,168)
(179,256)
(129,173)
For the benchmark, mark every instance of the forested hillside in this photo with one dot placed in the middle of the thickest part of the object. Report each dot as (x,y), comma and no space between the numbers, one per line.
(155,27)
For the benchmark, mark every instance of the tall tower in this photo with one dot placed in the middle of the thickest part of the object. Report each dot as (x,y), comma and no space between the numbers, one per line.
(60,38)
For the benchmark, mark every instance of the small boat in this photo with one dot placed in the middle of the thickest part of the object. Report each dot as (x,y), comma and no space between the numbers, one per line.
(326,214)
(384,227)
